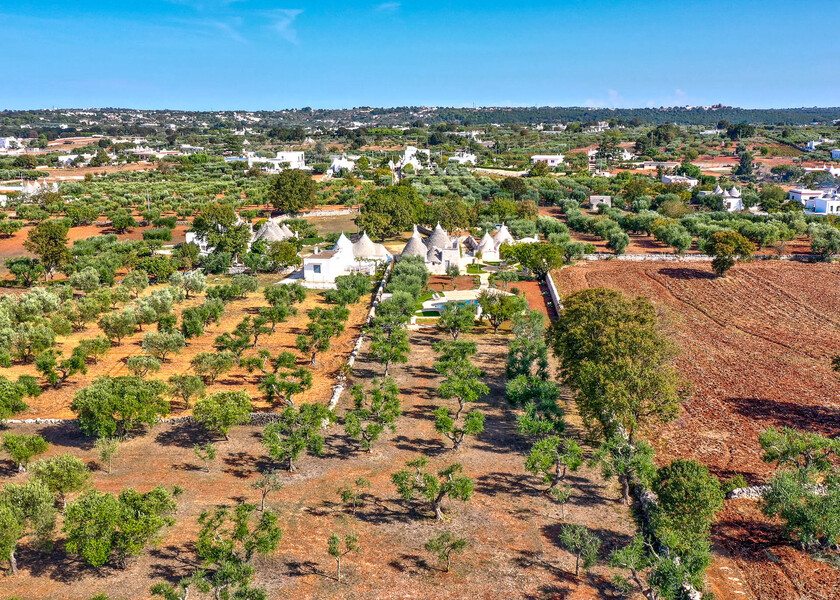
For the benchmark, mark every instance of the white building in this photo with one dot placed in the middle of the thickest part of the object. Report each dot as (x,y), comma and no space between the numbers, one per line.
(189,149)
(322,267)
(596,201)
(804,194)
(9,143)
(830,169)
(440,251)
(411,156)
(284,160)
(732,201)
(820,202)
(36,187)
(824,205)
(295,159)
(552,160)
(465,158)
(625,155)
(341,163)
(681,180)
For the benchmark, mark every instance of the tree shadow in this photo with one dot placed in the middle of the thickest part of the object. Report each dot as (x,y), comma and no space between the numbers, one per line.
(685,273)
(172,564)
(236,461)
(66,434)
(428,447)
(610,540)
(823,419)
(58,565)
(411,564)
(183,434)
(493,484)
(302,568)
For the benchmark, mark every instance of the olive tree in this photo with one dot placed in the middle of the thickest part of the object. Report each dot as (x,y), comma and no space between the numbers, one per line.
(221,411)
(433,488)
(22,448)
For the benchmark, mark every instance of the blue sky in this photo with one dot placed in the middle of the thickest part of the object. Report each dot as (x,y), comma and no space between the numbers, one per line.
(260,54)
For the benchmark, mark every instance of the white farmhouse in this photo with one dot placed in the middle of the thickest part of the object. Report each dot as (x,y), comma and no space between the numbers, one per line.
(804,194)
(464,158)
(552,160)
(596,201)
(827,203)
(322,267)
(284,160)
(296,160)
(411,156)
(9,143)
(341,163)
(681,180)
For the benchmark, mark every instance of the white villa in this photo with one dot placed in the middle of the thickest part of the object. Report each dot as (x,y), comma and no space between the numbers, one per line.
(552,160)
(322,267)
(819,202)
(804,194)
(283,160)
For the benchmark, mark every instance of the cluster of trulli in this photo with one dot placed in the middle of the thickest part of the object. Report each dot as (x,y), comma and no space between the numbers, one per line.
(345,257)
(440,251)
(270,231)
(731,198)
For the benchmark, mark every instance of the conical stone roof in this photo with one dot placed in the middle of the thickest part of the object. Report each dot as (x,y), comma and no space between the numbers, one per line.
(270,232)
(503,236)
(486,244)
(438,239)
(415,245)
(363,247)
(343,243)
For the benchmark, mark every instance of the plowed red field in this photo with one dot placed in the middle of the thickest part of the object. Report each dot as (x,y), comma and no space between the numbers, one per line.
(756,346)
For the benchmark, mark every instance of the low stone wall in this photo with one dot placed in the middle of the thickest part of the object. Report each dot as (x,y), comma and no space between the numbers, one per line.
(752,493)
(330,213)
(552,291)
(338,388)
(690,257)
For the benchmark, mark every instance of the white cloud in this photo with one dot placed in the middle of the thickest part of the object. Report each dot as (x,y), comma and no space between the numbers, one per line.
(678,98)
(613,100)
(214,27)
(388,7)
(283,23)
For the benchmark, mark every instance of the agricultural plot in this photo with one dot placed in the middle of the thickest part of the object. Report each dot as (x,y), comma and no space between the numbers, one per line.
(55,403)
(756,347)
(511,526)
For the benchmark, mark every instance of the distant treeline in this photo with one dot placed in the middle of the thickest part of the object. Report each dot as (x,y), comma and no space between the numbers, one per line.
(653,116)
(286,125)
